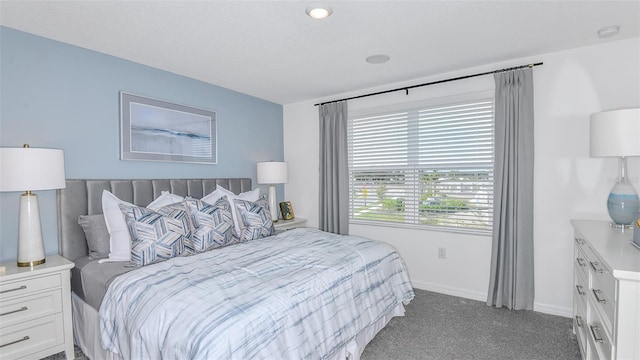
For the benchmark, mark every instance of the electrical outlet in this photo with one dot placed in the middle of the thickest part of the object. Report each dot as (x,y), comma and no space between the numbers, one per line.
(442,253)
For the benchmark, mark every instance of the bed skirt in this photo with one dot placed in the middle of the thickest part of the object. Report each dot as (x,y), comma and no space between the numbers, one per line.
(86,332)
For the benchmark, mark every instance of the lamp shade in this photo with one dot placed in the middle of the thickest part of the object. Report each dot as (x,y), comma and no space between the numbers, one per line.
(31,169)
(272,172)
(615,133)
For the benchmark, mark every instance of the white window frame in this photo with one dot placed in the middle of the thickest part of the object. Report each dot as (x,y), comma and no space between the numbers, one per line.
(410,183)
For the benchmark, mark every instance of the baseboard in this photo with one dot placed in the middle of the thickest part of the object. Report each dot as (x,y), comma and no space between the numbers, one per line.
(439,288)
(553,310)
(479,296)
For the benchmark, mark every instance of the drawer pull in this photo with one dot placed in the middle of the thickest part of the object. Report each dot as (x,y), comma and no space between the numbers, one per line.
(16,289)
(596,267)
(579,288)
(24,308)
(579,321)
(580,241)
(15,342)
(581,262)
(597,293)
(595,330)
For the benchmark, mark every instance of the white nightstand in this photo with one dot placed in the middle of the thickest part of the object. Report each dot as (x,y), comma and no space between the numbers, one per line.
(284,225)
(35,310)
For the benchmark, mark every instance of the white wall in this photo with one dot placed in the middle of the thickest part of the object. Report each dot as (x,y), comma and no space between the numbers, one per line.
(569,184)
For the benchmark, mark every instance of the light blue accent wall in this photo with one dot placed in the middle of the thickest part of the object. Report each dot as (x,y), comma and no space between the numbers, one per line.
(55,95)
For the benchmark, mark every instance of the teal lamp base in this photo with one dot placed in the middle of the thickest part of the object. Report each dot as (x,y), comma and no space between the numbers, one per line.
(623,203)
(623,208)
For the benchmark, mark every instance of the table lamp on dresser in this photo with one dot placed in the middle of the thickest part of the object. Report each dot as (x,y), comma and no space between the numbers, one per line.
(616,133)
(29,169)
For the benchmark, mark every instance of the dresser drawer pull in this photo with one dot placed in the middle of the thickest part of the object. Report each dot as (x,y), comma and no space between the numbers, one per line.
(596,266)
(581,262)
(16,289)
(595,330)
(597,293)
(580,241)
(24,308)
(579,288)
(579,321)
(15,342)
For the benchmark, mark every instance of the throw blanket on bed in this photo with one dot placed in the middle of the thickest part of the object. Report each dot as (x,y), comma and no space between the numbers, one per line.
(302,294)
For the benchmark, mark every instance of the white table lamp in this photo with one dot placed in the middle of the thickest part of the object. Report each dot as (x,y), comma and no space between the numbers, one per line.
(616,133)
(28,169)
(273,172)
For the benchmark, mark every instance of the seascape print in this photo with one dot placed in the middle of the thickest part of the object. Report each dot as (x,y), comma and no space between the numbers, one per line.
(156,130)
(164,131)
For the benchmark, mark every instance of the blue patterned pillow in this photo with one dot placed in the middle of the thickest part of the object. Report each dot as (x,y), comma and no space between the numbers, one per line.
(157,235)
(254,219)
(211,225)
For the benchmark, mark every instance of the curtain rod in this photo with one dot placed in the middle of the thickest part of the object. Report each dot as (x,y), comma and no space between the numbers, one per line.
(406,88)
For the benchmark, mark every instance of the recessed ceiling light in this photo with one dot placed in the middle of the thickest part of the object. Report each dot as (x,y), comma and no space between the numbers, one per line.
(377,59)
(319,12)
(608,31)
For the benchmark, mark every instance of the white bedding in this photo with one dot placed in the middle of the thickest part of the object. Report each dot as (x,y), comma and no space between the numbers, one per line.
(303,294)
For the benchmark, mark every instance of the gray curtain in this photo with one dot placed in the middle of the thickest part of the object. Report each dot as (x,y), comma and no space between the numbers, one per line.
(511,282)
(334,168)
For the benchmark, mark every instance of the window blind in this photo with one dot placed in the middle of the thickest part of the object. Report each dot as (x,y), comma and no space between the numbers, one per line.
(426,165)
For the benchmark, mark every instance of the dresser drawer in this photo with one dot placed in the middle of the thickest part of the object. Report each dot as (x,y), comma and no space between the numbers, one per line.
(26,308)
(580,324)
(580,261)
(603,304)
(31,337)
(10,290)
(603,276)
(581,287)
(600,341)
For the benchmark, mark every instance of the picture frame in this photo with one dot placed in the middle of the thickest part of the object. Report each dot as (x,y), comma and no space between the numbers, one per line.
(156,130)
(286,210)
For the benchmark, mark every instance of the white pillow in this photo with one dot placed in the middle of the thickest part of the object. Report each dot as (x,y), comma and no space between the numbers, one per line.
(252,195)
(165,198)
(119,237)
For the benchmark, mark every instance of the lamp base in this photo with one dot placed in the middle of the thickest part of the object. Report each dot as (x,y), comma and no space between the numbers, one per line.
(272,203)
(623,204)
(622,227)
(30,245)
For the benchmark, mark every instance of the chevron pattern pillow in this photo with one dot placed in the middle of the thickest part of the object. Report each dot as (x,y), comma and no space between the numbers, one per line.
(254,219)
(211,225)
(157,235)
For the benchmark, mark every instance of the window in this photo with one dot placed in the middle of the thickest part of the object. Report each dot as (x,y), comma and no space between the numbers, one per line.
(424,165)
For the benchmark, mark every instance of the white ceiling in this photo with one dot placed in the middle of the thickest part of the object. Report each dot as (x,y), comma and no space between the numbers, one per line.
(272,50)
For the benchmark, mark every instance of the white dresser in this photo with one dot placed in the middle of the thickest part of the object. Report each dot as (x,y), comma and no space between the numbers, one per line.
(35,310)
(606,294)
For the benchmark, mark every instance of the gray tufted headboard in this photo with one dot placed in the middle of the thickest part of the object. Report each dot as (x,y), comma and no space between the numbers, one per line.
(84,197)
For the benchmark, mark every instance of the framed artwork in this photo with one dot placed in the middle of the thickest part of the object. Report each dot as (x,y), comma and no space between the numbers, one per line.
(155,130)
(286,210)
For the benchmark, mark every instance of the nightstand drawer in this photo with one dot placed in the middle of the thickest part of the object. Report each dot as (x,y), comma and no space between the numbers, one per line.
(10,290)
(26,308)
(284,225)
(31,337)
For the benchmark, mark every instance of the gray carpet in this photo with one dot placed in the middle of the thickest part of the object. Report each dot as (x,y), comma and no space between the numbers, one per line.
(438,326)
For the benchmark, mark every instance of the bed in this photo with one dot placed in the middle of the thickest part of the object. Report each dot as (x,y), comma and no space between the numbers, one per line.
(300,294)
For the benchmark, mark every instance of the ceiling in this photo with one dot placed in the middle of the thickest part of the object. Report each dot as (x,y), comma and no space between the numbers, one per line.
(272,50)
